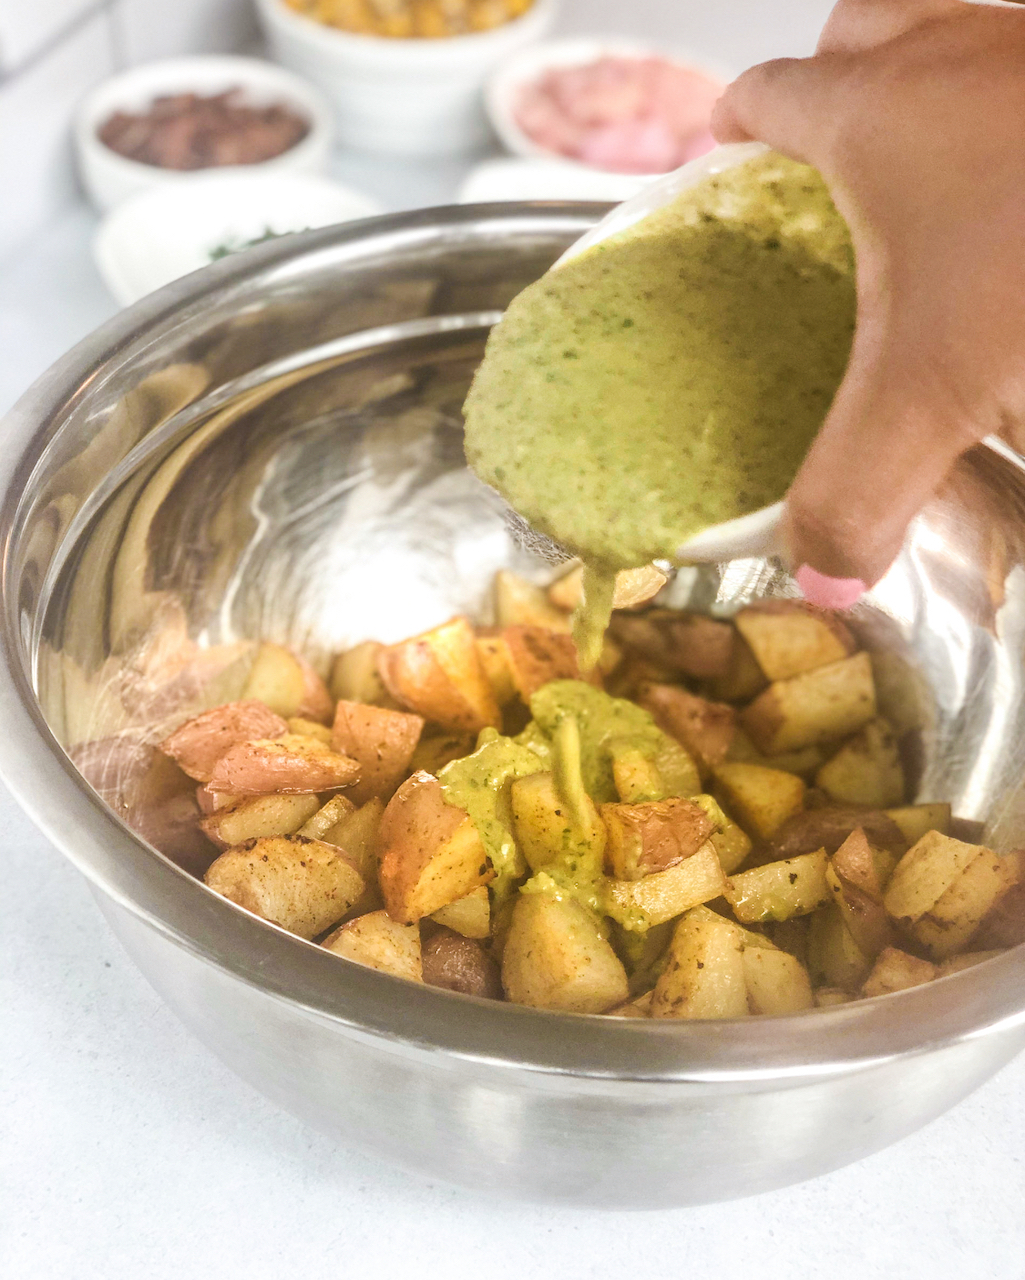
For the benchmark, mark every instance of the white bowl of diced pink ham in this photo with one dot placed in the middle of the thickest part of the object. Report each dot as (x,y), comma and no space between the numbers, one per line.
(610,105)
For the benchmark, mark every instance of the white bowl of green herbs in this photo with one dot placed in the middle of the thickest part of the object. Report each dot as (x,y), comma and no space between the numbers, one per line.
(168,232)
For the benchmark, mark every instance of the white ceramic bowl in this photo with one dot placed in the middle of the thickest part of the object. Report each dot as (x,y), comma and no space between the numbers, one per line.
(168,232)
(405,97)
(110,178)
(507,81)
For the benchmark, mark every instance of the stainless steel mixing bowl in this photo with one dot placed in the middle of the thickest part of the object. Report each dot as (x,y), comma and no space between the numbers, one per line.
(271,448)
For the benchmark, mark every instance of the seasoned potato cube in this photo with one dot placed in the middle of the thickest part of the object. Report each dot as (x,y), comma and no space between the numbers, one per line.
(309,729)
(743,678)
(779,890)
(950,922)
(521,603)
(914,820)
(439,675)
(664,894)
(704,728)
(805,762)
(864,915)
(300,884)
(547,825)
(325,817)
(925,873)
(380,942)
(457,963)
(258,816)
(291,764)
(730,842)
(776,981)
(638,1007)
(651,836)
(556,958)
(678,642)
(633,587)
(537,655)
(856,862)
(1004,925)
(287,684)
(789,638)
(435,750)
(827,703)
(356,833)
(469,915)
(382,743)
(761,799)
(866,769)
(704,976)
(895,970)
(834,958)
(494,658)
(828,828)
(430,852)
(198,744)
(355,678)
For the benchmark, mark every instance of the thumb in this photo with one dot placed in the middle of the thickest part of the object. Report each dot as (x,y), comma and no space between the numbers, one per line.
(786,104)
(895,430)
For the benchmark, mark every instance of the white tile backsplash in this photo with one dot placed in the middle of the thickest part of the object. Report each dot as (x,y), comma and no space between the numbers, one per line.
(26,26)
(36,106)
(148,29)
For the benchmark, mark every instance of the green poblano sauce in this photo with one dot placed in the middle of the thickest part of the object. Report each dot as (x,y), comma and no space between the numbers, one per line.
(673,376)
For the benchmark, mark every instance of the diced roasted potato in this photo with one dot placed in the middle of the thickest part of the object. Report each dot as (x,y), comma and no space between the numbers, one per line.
(866,769)
(805,762)
(895,970)
(730,842)
(776,981)
(925,873)
(834,958)
(355,678)
(310,729)
(1004,924)
(704,976)
(435,750)
(380,942)
(761,799)
(678,642)
(257,816)
(521,603)
(210,801)
(325,817)
(459,964)
(858,863)
(287,684)
(864,915)
(382,743)
(638,1007)
(555,957)
(430,852)
(439,675)
(469,915)
(665,894)
(743,678)
(829,827)
(914,820)
(356,833)
(704,728)
(537,655)
(948,925)
(788,637)
(819,706)
(779,890)
(300,884)
(651,836)
(494,658)
(546,824)
(291,765)
(633,587)
(198,744)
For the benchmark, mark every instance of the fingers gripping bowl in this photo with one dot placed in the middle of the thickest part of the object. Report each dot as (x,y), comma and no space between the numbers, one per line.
(272,449)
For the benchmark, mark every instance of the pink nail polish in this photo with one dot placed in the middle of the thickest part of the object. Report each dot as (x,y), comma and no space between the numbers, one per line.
(828,593)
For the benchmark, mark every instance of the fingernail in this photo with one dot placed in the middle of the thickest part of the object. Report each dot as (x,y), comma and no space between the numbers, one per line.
(828,593)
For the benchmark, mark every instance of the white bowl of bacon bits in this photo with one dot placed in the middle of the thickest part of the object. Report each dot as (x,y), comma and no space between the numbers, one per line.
(615,106)
(165,122)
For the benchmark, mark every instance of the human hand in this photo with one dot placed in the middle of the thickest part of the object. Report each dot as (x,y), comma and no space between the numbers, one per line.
(914,113)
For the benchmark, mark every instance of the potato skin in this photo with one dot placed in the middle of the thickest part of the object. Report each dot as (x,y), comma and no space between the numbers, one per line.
(704,728)
(828,828)
(460,964)
(382,742)
(291,764)
(198,744)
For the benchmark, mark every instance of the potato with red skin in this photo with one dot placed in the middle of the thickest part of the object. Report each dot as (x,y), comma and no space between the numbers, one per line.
(652,836)
(288,684)
(536,655)
(704,728)
(198,744)
(382,742)
(290,764)
(440,676)
(460,964)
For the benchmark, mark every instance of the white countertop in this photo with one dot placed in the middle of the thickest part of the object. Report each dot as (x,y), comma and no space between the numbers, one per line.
(127,1150)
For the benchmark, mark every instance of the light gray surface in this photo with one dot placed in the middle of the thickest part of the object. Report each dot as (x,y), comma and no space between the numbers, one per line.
(126,1150)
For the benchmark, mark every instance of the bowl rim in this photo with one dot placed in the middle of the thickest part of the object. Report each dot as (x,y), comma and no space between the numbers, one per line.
(187,74)
(528,64)
(594,1051)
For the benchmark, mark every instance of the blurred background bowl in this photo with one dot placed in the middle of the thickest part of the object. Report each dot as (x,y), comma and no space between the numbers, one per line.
(109,178)
(401,96)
